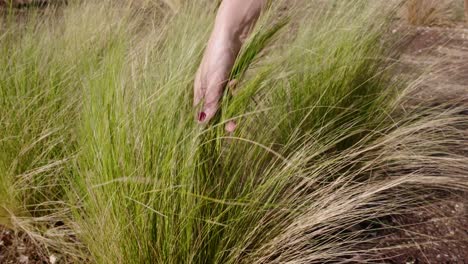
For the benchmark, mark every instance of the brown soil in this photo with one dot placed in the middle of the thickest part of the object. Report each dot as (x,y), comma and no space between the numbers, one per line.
(435,234)
(439,232)
(19,248)
(445,52)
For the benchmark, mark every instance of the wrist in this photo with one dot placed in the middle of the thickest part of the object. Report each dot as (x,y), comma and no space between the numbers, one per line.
(236,18)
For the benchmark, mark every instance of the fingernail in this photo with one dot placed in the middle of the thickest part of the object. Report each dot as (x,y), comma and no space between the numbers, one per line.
(201,117)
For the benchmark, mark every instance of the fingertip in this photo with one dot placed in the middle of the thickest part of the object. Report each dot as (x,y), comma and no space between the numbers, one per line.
(230,126)
(207,114)
(201,117)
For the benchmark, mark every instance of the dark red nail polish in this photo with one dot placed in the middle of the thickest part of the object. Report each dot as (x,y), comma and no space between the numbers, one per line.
(202,116)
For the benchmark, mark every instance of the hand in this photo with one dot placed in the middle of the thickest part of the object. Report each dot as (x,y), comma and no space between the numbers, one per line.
(233,23)
(212,76)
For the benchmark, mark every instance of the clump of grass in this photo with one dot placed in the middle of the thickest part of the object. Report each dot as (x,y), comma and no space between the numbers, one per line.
(99,135)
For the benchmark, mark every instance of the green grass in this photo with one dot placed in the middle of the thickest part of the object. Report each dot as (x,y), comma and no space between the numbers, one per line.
(97,131)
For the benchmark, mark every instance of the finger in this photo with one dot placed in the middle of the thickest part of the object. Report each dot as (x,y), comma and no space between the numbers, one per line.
(197,90)
(211,104)
(209,110)
(230,126)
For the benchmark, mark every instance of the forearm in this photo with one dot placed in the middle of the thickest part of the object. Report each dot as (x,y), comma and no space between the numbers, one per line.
(234,21)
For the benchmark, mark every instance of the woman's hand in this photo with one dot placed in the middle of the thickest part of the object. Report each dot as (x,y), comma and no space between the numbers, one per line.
(234,21)
(213,74)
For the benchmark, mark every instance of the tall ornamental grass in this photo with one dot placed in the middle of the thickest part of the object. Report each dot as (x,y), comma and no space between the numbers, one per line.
(102,160)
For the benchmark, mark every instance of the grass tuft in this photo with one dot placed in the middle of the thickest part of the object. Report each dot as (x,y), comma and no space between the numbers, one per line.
(103,161)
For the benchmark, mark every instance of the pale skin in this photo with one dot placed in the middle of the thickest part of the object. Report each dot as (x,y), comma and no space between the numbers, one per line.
(234,21)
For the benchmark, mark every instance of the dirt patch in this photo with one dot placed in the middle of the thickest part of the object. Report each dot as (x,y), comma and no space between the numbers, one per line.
(19,248)
(437,233)
(441,56)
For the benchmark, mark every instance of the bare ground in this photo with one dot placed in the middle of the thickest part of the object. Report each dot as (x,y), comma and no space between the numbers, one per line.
(439,232)
(17,247)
